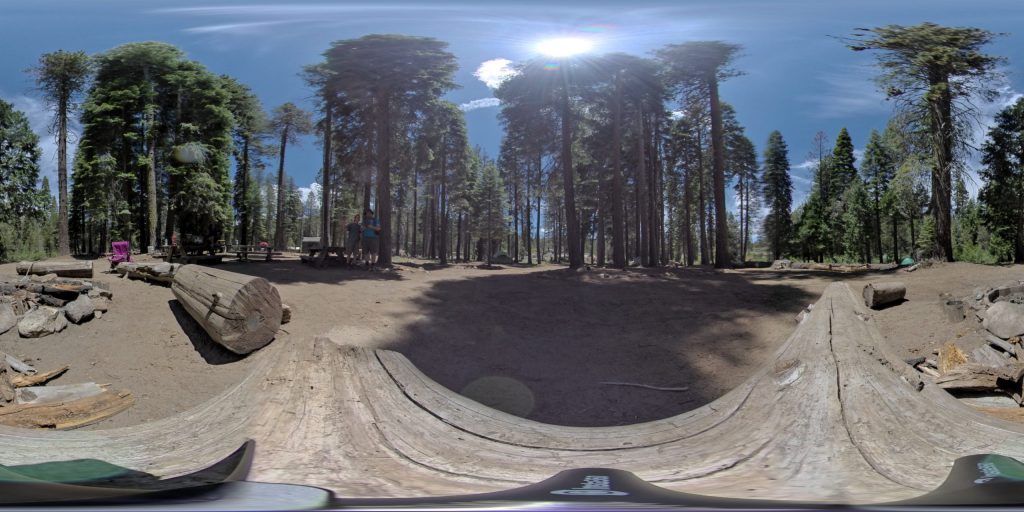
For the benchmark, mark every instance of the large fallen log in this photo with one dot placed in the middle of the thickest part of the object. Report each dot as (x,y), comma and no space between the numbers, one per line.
(66,415)
(61,268)
(157,272)
(881,294)
(242,313)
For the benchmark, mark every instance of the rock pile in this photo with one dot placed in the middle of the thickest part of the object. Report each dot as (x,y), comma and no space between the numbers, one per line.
(44,305)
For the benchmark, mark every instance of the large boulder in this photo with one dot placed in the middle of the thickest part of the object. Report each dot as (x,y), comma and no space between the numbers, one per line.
(7,317)
(1005,319)
(80,309)
(782,264)
(42,321)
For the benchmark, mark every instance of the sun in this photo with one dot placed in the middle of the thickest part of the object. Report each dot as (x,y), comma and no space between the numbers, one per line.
(564,46)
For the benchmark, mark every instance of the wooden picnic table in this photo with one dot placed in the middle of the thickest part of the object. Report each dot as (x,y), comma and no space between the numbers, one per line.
(243,252)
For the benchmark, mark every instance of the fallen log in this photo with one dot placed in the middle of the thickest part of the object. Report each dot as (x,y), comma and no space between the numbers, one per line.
(156,272)
(22,381)
(999,343)
(66,415)
(241,313)
(51,394)
(880,294)
(978,377)
(61,268)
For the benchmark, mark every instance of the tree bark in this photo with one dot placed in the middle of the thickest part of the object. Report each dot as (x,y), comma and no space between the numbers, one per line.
(61,268)
(722,259)
(63,245)
(384,181)
(618,223)
(572,222)
(325,206)
(279,225)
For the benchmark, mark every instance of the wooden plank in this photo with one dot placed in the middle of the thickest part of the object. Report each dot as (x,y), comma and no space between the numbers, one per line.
(51,394)
(66,415)
(21,381)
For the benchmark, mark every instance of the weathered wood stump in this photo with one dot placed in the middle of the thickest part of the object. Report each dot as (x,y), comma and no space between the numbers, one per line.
(61,268)
(159,272)
(955,311)
(881,294)
(240,312)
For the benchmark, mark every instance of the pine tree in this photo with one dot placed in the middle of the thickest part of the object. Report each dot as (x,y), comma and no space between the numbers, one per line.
(490,206)
(19,173)
(1002,191)
(778,194)
(878,169)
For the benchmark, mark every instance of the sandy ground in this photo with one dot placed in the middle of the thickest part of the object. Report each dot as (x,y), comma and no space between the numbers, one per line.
(540,342)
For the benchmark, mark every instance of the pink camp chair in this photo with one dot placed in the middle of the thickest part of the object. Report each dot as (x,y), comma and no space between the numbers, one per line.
(122,253)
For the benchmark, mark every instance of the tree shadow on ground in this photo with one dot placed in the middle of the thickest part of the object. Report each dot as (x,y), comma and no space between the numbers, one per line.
(549,342)
(211,351)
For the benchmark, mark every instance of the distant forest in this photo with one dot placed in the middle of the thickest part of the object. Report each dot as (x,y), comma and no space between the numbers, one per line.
(611,159)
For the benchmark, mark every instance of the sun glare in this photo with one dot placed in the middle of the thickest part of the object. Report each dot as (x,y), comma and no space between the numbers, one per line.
(564,46)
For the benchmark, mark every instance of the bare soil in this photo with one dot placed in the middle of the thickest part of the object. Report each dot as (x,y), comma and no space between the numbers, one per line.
(542,342)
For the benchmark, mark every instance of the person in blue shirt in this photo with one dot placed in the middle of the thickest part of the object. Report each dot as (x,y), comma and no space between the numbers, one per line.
(371,238)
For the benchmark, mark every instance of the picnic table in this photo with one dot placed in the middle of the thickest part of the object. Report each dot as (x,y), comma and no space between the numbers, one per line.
(243,252)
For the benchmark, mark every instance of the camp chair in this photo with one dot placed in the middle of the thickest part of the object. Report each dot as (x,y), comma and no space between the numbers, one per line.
(122,253)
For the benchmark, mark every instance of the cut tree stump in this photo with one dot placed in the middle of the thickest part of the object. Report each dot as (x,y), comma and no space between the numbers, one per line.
(61,268)
(881,294)
(241,313)
(66,415)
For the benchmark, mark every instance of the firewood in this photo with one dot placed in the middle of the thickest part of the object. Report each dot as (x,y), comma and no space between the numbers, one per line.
(66,415)
(21,381)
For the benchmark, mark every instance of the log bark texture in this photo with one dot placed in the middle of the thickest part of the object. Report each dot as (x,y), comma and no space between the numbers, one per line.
(61,268)
(241,313)
(881,294)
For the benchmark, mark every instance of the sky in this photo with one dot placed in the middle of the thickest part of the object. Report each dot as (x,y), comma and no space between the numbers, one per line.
(798,77)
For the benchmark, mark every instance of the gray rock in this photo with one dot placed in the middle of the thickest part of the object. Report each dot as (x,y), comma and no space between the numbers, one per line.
(43,278)
(782,264)
(80,309)
(98,314)
(42,321)
(1005,319)
(96,292)
(7,317)
(100,304)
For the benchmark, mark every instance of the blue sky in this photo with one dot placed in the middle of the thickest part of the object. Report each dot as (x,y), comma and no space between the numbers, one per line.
(798,78)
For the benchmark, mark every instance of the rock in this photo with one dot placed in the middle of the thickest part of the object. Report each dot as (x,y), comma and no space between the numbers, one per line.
(42,321)
(782,264)
(96,292)
(1005,319)
(80,309)
(7,317)
(97,314)
(100,304)
(46,278)
(286,313)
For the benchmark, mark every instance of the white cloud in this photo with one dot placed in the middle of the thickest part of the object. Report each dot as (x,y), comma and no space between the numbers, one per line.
(236,28)
(313,187)
(495,71)
(847,92)
(40,117)
(676,115)
(480,103)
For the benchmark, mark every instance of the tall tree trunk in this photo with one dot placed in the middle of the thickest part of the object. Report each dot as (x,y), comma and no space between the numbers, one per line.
(384,182)
(325,206)
(643,192)
(652,188)
(705,251)
(687,227)
(444,203)
(279,224)
(718,162)
(895,239)
(618,222)
(151,212)
(526,220)
(415,211)
(515,217)
(243,229)
(63,246)
(540,255)
(572,222)
(942,185)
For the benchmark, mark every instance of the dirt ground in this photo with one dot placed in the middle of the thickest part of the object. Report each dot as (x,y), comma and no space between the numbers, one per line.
(541,342)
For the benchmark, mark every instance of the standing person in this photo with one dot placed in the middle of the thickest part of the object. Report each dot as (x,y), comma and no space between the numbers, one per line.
(352,235)
(371,240)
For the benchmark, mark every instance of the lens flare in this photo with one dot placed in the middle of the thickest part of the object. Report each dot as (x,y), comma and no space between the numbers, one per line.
(559,47)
